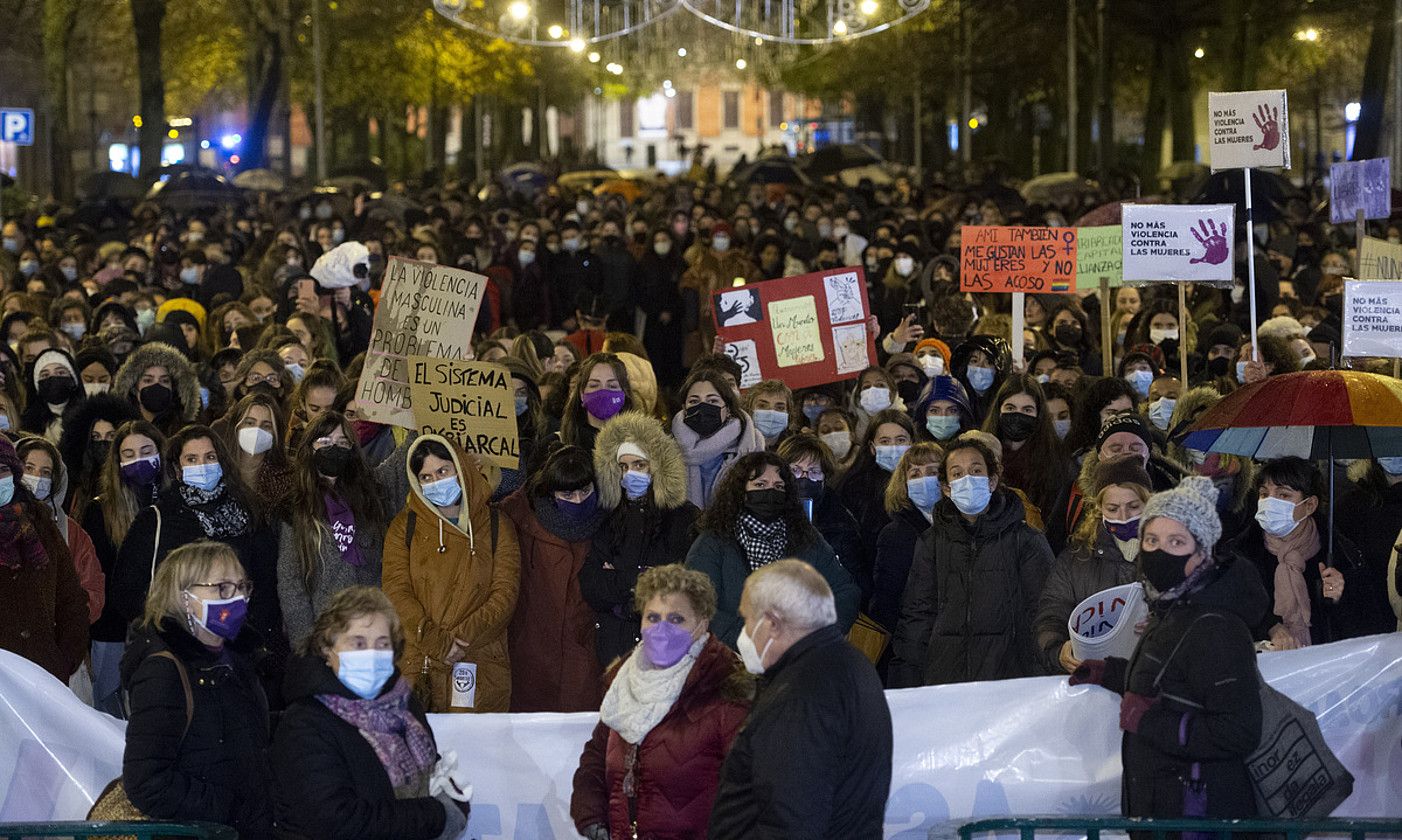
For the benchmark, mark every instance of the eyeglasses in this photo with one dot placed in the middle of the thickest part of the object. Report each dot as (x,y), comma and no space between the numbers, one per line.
(812,473)
(323,443)
(254,379)
(228,588)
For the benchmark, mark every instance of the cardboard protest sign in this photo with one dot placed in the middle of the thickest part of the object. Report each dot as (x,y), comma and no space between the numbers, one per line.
(1178,242)
(1099,255)
(1372,318)
(1379,259)
(1249,128)
(806,330)
(470,403)
(1360,185)
(425,310)
(1017,259)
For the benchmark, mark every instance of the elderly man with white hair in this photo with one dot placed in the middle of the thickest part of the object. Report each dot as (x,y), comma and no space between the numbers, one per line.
(814,757)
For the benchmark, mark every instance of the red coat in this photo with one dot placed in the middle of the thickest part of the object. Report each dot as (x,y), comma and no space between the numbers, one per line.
(678,764)
(554,667)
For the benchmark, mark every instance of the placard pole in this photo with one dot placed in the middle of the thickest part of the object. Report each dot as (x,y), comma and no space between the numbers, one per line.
(1250,263)
(1358,231)
(1019,317)
(1106,351)
(1182,333)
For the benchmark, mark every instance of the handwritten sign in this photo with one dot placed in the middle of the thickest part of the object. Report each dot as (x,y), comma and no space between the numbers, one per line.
(1360,185)
(1017,259)
(1178,242)
(1099,255)
(425,310)
(470,403)
(1249,129)
(1379,259)
(806,330)
(1372,318)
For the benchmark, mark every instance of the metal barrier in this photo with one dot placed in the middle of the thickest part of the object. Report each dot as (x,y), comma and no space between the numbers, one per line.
(1092,827)
(139,830)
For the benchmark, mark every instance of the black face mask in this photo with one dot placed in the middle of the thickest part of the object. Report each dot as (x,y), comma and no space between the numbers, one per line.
(156,398)
(766,505)
(1218,366)
(332,461)
(1163,570)
(1015,426)
(1068,334)
(809,489)
(97,451)
(909,391)
(703,419)
(56,389)
(266,390)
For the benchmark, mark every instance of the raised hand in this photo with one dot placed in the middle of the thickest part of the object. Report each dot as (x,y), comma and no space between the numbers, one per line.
(1213,239)
(1268,120)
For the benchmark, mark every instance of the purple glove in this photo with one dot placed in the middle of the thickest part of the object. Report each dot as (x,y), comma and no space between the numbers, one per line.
(1132,709)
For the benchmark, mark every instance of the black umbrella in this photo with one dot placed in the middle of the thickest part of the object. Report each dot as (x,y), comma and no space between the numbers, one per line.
(96,186)
(1269,193)
(769,171)
(194,189)
(370,170)
(830,160)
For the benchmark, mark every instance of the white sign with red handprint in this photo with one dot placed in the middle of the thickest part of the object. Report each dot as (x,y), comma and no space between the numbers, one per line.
(1178,242)
(1249,129)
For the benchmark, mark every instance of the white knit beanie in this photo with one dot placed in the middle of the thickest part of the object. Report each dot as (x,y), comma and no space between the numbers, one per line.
(1194,503)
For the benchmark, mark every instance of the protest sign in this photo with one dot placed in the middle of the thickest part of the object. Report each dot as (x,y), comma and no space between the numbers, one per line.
(425,310)
(1379,259)
(1249,128)
(1017,259)
(806,330)
(1099,256)
(1372,318)
(1360,185)
(1178,242)
(470,403)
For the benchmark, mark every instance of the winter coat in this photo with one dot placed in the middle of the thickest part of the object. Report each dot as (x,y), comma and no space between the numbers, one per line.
(80,545)
(847,539)
(895,548)
(44,613)
(652,531)
(1215,671)
(1065,514)
(971,599)
(723,560)
(1373,527)
(659,298)
(862,490)
(183,382)
(216,769)
(454,580)
(1077,574)
(78,420)
(330,783)
(554,664)
(677,765)
(814,757)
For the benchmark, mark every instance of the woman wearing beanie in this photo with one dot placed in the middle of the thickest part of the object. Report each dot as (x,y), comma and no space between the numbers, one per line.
(54,384)
(1191,709)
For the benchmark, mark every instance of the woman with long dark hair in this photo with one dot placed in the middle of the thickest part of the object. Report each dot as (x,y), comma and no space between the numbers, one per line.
(253,432)
(598,391)
(89,429)
(1033,459)
(863,487)
(712,431)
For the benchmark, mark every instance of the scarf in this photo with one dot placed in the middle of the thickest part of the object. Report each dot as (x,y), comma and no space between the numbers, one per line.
(566,528)
(730,441)
(403,745)
(642,695)
(219,515)
(1292,595)
(762,542)
(20,546)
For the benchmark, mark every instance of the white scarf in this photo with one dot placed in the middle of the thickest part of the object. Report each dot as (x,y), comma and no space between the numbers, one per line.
(641,695)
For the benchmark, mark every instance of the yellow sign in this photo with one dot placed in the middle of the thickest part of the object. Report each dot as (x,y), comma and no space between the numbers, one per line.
(471,403)
(794,324)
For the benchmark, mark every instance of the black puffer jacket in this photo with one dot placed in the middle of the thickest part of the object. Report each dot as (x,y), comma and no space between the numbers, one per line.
(895,548)
(971,598)
(330,783)
(840,528)
(218,770)
(1077,574)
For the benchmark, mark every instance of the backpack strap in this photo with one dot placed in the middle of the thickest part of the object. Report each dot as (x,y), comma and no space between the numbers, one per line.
(493,509)
(185,684)
(1186,633)
(409,524)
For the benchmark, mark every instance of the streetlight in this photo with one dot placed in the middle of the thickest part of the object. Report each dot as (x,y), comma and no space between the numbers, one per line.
(741,64)
(869,7)
(576,45)
(519,11)
(555,31)
(1310,34)
(1199,52)
(594,58)
(840,28)
(681,52)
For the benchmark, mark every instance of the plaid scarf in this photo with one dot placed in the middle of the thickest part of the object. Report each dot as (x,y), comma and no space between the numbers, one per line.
(20,546)
(403,745)
(762,542)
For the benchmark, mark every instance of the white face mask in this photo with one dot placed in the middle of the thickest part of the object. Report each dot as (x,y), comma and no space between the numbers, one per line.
(753,659)
(1161,412)
(662,249)
(905,266)
(876,398)
(839,442)
(92,389)
(255,441)
(1159,336)
(932,365)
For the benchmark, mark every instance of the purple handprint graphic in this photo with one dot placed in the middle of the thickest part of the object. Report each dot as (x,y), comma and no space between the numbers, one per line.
(1268,120)
(1213,239)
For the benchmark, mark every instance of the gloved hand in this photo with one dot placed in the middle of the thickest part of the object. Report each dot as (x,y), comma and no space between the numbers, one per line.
(1132,709)
(1089,672)
(455,818)
(447,781)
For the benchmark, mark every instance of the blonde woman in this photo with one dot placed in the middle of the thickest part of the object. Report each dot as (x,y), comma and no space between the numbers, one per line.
(910,500)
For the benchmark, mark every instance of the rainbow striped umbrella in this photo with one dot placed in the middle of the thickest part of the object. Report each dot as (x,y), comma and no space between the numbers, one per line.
(1314,414)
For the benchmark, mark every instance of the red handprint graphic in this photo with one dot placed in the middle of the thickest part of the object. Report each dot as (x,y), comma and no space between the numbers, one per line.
(1268,120)
(1213,239)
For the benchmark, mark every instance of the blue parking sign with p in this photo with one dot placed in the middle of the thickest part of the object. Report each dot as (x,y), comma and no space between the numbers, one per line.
(17,126)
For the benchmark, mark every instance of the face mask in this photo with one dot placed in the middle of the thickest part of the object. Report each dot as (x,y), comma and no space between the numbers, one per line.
(28,267)
(1164,571)
(980,378)
(887,457)
(204,397)
(1159,336)
(1140,380)
(1123,530)
(69,273)
(98,450)
(323,211)
(38,485)
(909,391)
(1241,372)
(809,489)
(296,370)
(924,492)
(665,643)
(1068,333)
(1391,466)
(703,419)
(442,493)
(338,235)
(525,258)
(570,243)
(365,672)
(145,319)
(905,266)
(604,404)
(970,494)
(1062,427)
(522,403)
(636,484)
(790,223)
(943,427)
(578,511)
(876,398)
(753,659)
(766,505)
(824,231)
(839,233)
(662,249)
(1219,366)
(224,618)
(92,389)
(771,423)
(581,207)
(332,461)
(813,412)
(142,472)
(720,243)
(839,442)
(56,389)
(1016,427)
(204,477)
(1277,516)
(1161,411)
(156,398)
(932,365)
(4,423)
(7,490)
(11,244)
(189,276)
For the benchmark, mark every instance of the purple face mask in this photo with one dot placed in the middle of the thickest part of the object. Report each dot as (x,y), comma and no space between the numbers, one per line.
(1125,530)
(602,405)
(141,472)
(665,643)
(224,618)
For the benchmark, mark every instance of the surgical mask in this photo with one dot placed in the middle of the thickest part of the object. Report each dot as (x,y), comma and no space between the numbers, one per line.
(771,423)
(365,672)
(635,483)
(324,211)
(887,457)
(1123,530)
(444,492)
(662,249)
(970,494)
(753,659)
(570,243)
(1062,427)
(905,266)
(7,490)
(75,330)
(1241,372)
(924,492)
(525,257)
(720,243)
(10,244)
(189,276)
(69,272)
(92,389)
(1159,336)
(145,319)
(141,472)
(255,441)
(1277,516)
(582,207)
(813,412)
(204,477)
(296,370)
(204,397)
(1391,466)
(604,403)
(790,223)
(522,403)
(980,378)
(1161,412)
(28,267)
(1043,378)
(1141,380)
(839,442)
(876,398)
(943,426)
(38,485)
(224,618)
(338,235)
(932,365)
(4,423)
(824,231)
(665,643)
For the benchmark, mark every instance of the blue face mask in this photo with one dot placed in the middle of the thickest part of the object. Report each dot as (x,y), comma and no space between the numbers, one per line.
(522,403)
(943,427)
(204,477)
(204,397)
(1141,380)
(365,672)
(887,457)
(1161,412)
(980,378)
(578,510)
(7,490)
(1241,372)
(635,484)
(924,492)
(771,423)
(444,492)
(1391,466)
(813,412)
(970,494)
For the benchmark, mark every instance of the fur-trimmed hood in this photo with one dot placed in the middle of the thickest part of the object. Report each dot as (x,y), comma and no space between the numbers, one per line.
(663,455)
(79,420)
(182,376)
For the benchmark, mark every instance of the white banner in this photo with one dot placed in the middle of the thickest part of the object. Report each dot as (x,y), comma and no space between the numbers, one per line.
(1021,747)
(1249,128)
(1372,318)
(1179,242)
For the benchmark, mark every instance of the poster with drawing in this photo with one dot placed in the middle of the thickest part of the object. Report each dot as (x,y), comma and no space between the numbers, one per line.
(844,298)
(850,345)
(745,355)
